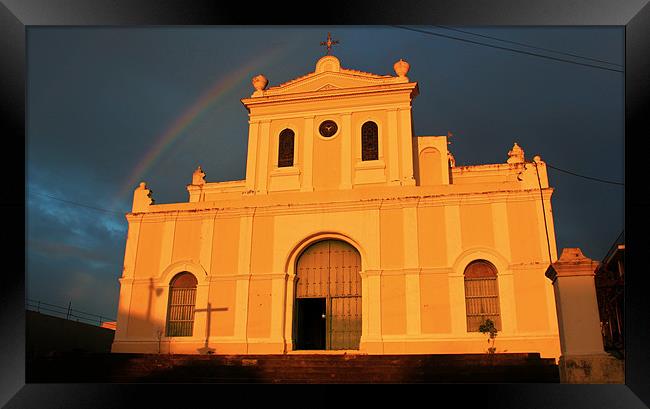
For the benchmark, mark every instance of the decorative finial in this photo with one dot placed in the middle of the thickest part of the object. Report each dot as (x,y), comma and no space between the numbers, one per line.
(516,154)
(198,177)
(401,68)
(142,198)
(259,82)
(329,43)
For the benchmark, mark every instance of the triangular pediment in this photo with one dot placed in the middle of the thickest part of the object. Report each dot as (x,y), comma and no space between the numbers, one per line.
(326,81)
(329,79)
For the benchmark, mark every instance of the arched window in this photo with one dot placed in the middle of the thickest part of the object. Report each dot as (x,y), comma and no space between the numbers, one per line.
(369,141)
(285,148)
(180,312)
(481,295)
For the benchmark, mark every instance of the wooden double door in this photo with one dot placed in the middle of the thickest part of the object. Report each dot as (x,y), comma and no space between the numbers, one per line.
(328,297)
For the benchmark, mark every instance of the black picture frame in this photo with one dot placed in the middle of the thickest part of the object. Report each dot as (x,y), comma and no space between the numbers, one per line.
(16,16)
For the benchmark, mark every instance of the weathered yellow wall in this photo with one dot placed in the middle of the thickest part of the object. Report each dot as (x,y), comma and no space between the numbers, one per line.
(434,301)
(393,305)
(476,225)
(225,246)
(186,240)
(222,300)
(530,287)
(432,240)
(259,309)
(262,244)
(524,231)
(142,311)
(148,258)
(392,236)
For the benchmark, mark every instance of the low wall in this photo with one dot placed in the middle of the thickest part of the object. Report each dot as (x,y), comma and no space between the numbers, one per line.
(47,335)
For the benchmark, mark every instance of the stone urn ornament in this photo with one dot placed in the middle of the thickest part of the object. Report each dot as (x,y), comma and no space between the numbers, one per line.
(260,82)
(401,68)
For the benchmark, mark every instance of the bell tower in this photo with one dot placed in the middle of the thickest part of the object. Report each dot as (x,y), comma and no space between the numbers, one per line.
(332,129)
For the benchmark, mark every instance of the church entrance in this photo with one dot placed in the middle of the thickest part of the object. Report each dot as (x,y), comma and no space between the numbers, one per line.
(327,308)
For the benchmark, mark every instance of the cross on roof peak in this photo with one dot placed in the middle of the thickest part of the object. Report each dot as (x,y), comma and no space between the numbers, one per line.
(329,43)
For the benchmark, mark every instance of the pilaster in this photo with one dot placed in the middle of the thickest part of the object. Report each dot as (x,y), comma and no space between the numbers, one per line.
(263,160)
(393,148)
(251,159)
(406,148)
(413,312)
(308,156)
(500,228)
(278,289)
(373,305)
(131,251)
(205,252)
(167,244)
(241,309)
(346,151)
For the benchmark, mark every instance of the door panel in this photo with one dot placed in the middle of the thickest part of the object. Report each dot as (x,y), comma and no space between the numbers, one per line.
(345,330)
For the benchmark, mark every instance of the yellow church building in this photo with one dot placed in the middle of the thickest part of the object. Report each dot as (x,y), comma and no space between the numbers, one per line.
(349,233)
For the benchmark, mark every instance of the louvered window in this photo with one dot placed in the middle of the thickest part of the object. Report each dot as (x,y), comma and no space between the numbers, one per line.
(369,141)
(481,295)
(182,298)
(285,149)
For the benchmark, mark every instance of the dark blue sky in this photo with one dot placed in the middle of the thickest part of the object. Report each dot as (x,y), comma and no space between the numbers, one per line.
(100,99)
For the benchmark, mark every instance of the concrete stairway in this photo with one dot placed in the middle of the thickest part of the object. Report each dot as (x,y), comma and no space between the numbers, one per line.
(298,368)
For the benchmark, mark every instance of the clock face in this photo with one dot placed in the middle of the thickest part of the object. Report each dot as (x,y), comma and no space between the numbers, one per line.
(328,128)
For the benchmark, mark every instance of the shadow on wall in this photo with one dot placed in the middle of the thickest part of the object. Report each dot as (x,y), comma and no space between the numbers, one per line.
(152,321)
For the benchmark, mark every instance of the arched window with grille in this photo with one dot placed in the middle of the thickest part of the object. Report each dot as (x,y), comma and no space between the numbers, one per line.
(285,148)
(481,295)
(369,141)
(180,310)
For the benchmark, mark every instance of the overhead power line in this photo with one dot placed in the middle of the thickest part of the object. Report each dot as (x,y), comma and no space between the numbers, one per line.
(530,46)
(507,49)
(79,204)
(586,177)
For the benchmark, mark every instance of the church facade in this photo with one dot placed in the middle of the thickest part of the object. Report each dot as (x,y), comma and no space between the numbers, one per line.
(349,233)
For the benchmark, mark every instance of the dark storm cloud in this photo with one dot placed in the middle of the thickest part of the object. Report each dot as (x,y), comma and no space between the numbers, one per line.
(74,253)
(100,98)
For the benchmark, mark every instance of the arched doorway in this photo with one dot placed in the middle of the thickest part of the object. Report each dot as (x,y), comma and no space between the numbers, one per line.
(327,307)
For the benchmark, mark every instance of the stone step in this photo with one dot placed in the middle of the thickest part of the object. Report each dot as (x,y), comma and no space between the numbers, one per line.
(299,368)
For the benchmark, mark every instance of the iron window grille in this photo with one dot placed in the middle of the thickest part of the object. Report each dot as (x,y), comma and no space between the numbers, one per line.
(369,141)
(182,300)
(481,295)
(285,150)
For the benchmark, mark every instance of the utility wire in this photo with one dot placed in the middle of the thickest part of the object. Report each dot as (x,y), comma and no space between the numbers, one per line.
(529,46)
(586,177)
(79,204)
(506,48)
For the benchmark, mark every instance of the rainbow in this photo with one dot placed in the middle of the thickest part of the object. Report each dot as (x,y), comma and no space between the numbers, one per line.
(210,97)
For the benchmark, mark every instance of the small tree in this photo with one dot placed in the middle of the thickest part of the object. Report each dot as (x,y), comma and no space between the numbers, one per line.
(488,327)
